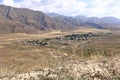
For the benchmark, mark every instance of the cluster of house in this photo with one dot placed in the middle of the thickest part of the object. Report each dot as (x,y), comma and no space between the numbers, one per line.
(72,37)
(76,37)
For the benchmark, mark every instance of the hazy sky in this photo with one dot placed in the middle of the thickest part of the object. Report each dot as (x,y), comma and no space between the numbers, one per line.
(97,8)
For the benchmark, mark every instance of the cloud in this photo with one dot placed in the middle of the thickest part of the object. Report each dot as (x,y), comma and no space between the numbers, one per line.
(99,8)
(10,2)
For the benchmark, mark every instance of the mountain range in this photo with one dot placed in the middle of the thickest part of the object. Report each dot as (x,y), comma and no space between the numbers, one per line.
(95,22)
(20,20)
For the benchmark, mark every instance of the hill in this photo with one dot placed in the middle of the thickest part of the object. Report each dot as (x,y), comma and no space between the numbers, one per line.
(18,20)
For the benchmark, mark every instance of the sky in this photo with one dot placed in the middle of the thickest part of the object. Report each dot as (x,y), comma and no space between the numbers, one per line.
(89,8)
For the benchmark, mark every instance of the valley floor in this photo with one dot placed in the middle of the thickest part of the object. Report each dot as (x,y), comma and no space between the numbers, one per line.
(22,57)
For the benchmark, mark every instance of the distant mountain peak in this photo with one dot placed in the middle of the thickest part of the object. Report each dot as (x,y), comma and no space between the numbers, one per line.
(96,22)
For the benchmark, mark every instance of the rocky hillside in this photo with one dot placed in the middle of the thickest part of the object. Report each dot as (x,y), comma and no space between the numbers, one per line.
(24,20)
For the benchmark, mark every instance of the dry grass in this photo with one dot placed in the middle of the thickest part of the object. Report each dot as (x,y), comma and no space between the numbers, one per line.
(16,58)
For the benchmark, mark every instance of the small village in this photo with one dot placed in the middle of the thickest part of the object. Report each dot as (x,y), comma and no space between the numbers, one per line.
(67,38)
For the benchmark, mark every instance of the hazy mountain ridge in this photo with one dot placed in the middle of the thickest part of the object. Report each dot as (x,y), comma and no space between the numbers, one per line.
(103,23)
